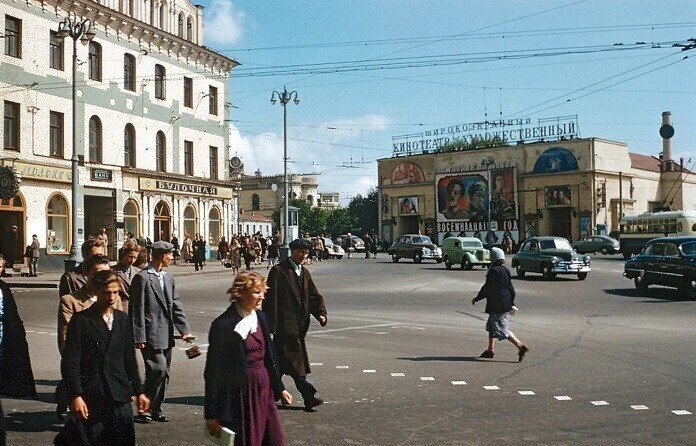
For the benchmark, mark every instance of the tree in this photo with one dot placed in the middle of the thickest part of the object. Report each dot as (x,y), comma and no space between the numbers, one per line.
(364,211)
(340,221)
(310,220)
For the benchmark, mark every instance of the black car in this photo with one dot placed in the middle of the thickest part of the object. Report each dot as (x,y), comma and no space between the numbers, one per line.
(596,243)
(416,247)
(667,261)
(550,256)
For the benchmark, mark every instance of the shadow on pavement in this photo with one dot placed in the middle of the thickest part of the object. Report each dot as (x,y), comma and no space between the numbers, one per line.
(663,294)
(32,421)
(187,400)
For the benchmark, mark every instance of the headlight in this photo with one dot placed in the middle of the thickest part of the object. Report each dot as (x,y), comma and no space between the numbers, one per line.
(586,259)
(555,260)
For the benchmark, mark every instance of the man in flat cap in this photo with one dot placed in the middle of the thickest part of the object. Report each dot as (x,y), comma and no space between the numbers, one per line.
(154,297)
(290,300)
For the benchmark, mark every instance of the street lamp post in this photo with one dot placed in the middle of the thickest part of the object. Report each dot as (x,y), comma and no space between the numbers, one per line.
(284,98)
(488,162)
(84,32)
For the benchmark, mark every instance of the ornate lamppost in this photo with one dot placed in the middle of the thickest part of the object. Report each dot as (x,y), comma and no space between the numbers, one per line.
(284,98)
(84,32)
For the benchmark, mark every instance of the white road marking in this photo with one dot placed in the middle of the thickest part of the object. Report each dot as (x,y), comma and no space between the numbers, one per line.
(681,412)
(369,371)
(600,403)
(639,407)
(316,363)
(563,398)
(526,392)
(333,330)
(427,378)
(458,383)
(374,332)
(31,331)
(328,336)
(398,374)
(342,367)
(41,332)
(491,387)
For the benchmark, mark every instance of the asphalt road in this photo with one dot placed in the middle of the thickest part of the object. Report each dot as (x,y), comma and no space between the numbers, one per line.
(398,362)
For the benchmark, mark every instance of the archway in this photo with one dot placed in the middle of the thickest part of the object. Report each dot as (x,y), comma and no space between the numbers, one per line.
(163,222)
(12,241)
(190,221)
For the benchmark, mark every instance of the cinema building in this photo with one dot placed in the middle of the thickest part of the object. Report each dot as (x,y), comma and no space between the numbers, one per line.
(152,132)
(569,187)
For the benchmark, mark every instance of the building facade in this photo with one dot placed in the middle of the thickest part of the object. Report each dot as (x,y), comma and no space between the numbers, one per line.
(263,194)
(328,200)
(152,134)
(569,188)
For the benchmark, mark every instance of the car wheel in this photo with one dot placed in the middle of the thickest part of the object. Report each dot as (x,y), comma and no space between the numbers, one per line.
(689,289)
(582,276)
(466,263)
(641,284)
(448,264)
(438,260)
(520,272)
(417,258)
(546,272)
(394,258)
(604,251)
(339,257)
(626,255)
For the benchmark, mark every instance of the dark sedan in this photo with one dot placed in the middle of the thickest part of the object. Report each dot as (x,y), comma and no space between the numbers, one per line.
(416,247)
(596,243)
(667,261)
(550,256)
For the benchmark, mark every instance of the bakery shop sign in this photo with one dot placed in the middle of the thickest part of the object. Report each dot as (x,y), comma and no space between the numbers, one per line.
(183,188)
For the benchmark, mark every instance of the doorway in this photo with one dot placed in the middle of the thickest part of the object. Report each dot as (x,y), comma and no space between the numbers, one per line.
(409,224)
(163,221)
(11,240)
(100,212)
(560,222)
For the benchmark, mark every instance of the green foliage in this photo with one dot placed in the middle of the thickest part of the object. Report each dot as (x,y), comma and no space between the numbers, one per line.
(473,143)
(364,210)
(340,221)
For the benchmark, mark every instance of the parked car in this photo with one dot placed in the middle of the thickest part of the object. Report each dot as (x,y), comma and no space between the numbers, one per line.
(467,251)
(358,243)
(414,246)
(597,243)
(550,256)
(332,249)
(667,261)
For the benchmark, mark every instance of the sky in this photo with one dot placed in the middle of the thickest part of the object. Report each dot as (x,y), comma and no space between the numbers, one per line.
(366,71)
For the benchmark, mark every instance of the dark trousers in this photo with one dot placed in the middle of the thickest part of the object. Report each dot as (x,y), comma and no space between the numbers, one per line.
(157,363)
(33,262)
(110,423)
(198,263)
(306,389)
(2,427)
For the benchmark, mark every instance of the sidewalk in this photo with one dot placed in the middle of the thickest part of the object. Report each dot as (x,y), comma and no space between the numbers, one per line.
(51,280)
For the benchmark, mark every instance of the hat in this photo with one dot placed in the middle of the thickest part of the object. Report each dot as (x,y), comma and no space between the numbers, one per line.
(497,254)
(300,243)
(162,246)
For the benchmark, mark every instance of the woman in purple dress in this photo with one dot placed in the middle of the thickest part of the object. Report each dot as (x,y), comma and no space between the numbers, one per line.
(241,372)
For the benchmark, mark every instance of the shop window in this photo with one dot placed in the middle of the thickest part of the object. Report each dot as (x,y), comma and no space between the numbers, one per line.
(57,225)
(214,225)
(131,218)
(190,227)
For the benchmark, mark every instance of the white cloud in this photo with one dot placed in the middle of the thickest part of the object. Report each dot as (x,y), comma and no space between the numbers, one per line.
(223,23)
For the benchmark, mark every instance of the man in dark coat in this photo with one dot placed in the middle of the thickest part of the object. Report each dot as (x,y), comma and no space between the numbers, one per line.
(198,252)
(291,298)
(16,376)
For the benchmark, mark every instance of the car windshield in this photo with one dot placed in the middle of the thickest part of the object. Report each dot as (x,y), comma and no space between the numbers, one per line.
(555,244)
(689,248)
(420,239)
(328,242)
(471,244)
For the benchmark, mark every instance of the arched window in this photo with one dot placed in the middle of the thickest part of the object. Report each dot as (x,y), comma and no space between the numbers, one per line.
(131,218)
(161,152)
(57,225)
(129,146)
(129,72)
(162,222)
(163,16)
(214,228)
(160,82)
(255,203)
(95,56)
(310,200)
(189,29)
(180,27)
(95,140)
(190,223)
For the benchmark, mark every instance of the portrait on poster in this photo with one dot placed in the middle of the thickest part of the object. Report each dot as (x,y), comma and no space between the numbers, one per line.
(407,173)
(408,205)
(557,196)
(503,206)
(462,197)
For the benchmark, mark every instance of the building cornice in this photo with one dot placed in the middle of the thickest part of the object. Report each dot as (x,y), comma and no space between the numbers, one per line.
(144,173)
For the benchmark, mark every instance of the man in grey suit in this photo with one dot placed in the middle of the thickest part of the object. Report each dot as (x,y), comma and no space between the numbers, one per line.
(153,296)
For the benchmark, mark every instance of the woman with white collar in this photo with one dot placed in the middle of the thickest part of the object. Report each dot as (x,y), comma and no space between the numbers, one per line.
(242,382)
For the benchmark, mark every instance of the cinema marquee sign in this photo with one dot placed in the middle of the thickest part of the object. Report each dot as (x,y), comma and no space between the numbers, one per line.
(176,187)
(513,130)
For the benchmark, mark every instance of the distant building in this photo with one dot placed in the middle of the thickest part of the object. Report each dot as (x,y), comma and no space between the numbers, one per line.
(257,193)
(328,200)
(251,223)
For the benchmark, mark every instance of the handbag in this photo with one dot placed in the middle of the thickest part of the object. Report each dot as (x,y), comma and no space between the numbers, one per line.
(227,263)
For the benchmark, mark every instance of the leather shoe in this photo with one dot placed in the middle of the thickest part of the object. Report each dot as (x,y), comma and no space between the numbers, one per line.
(311,403)
(160,418)
(142,418)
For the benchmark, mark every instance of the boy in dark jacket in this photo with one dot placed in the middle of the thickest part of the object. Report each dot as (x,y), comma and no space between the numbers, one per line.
(500,300)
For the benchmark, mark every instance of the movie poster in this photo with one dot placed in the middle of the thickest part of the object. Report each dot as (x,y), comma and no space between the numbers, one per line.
(503,205)
(408,205)
(407,173)
(462,197)
(557,196)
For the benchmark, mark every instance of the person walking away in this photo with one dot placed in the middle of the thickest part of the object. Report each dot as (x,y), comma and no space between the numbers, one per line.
(35,248)
(273,254)
(291,299)
(187,249)
(500,300)
(100,372)
(198,252)
(177,253)
(76,278)
(264,246)
(234,255)
(257,251)
(349,245)
(368,244)
(247,251)
(155,311)
(318,247)
(242,380)
(127,256)
(374,246)
(223,250)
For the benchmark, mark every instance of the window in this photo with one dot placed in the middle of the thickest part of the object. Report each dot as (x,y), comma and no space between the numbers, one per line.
(95,72)
(11,126)
(160,82)
(129,72)
(13,36)
(190,226)
(213,101)
(671,250)
(55,55)
(214,227)
(189,29)
(57,225)
(161,152)
(213,163)
(56,133)
(95,140)
(255,203)
(131,218)
(180,28)
(188,92)
(129,146)
(188,158)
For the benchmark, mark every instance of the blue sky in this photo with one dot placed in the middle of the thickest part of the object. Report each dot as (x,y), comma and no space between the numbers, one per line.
(346,120)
